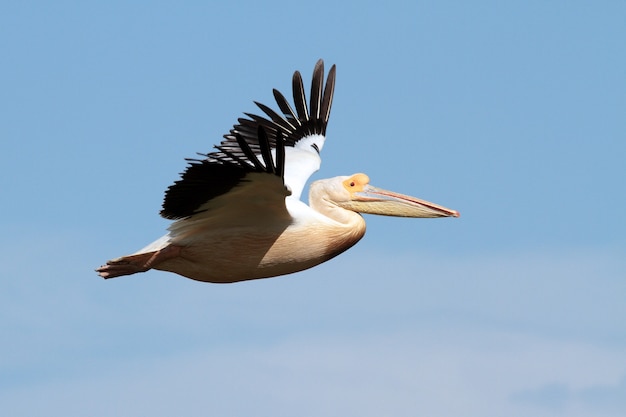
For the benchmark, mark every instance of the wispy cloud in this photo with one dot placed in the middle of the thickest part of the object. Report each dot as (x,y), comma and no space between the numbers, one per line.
(600,398)
(436,372)
(370,333)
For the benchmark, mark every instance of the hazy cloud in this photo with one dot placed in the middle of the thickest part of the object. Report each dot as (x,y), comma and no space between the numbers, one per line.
(395,335)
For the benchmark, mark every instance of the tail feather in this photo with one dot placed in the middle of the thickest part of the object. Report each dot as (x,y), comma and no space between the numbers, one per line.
(127,265)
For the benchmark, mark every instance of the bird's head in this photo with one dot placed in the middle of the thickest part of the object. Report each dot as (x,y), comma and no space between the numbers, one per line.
(354,193)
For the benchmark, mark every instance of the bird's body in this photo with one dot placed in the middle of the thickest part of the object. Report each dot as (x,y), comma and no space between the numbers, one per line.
(209,240)
(238,214)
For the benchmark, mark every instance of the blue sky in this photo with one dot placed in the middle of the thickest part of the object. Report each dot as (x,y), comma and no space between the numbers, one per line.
(510,112)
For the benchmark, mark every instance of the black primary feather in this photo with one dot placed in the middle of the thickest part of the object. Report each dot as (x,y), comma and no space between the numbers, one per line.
(238,154)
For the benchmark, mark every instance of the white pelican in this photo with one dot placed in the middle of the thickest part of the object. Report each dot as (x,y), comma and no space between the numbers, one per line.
(238,214)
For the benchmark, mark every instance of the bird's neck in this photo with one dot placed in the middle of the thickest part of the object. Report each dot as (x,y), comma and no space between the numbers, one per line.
(347,218)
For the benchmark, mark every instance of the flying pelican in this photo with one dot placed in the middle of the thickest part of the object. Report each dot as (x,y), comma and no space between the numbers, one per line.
(238,214)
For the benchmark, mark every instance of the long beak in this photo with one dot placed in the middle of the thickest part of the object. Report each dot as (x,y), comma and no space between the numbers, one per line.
(374,200)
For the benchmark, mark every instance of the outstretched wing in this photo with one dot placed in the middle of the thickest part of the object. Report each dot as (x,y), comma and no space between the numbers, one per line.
(285,147)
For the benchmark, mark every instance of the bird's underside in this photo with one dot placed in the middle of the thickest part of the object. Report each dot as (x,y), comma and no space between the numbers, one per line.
(242,254)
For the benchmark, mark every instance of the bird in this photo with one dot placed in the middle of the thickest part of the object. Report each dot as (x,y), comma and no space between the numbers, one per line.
(237,212)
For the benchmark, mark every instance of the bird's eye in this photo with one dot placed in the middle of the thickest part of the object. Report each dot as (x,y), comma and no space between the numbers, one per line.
(355,183)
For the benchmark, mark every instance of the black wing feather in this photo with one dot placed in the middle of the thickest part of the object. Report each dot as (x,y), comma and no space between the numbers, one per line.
(266,151)
(276,118)
(247,150)
(284,106)
(237,155)
(316,89)
(327,100)
(299,97)
(280,154)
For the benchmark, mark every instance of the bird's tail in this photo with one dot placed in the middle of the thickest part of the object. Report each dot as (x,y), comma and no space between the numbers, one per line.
(127,265)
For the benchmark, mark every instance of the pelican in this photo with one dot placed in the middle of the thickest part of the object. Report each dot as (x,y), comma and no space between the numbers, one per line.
(237,212)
